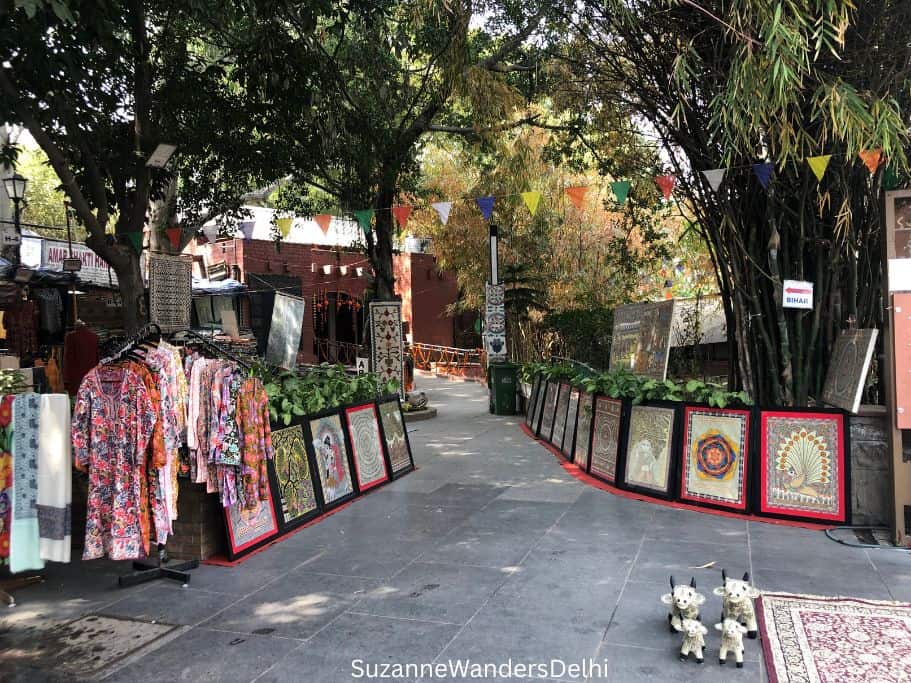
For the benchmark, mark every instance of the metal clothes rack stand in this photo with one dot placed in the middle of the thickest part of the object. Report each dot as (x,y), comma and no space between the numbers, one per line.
(213,346)
(12,584)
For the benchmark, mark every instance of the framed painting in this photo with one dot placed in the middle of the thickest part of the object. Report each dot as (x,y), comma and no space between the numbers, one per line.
(716,457)
(649,465)
(395,436)
(531,404)
(803,465)
(605,444)
(291,477)
(332,457)
(250,529)
(584,431)
(569,434)
(556,436)
(539,405)
(848,366)
(367,447)
(546,424)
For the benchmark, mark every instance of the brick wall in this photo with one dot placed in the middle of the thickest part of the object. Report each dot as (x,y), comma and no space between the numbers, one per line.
(199,530)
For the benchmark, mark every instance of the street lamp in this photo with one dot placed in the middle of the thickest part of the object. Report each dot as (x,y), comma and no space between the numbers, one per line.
(15,190)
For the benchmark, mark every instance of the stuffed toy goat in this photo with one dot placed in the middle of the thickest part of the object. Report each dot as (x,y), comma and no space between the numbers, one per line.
(693,639)
(737,601)
(683,602)
(731,641)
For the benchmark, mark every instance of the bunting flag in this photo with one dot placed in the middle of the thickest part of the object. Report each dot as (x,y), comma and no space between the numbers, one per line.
(246,228)
(443,209)
(401,214)
(620,189)
(364,216)
(763,173)
(819,165)
(666,183)
(211,232)
(284,226)
(714,177)
(531,199)
(890,178)
(136,240)
(576,195)
(174,235)
(323,220)
(486,206)
(872,158)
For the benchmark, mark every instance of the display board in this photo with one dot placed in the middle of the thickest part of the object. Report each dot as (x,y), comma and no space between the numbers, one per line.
(584,431)
(366,446)
(642,337)
(250,529)
(285,331)
(332,458)
(848,366)
(556,435)
(292,478)
(569,433)
(605,447)
(395,435)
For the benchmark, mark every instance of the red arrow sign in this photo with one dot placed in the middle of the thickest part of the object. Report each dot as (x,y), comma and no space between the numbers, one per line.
(799,291)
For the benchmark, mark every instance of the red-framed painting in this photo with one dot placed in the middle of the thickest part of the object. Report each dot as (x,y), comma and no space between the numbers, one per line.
(250,529)
(716,457)
(803,465)
(366,445)
(605,448)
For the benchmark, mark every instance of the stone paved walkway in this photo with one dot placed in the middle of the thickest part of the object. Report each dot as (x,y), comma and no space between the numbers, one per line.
(489,551)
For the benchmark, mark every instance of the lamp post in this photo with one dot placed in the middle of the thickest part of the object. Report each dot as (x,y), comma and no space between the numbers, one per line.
(15,189)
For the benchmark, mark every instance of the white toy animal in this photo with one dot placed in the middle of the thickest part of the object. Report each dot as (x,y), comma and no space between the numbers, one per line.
(683,602)
(737,602)
(731,641)
(693,640)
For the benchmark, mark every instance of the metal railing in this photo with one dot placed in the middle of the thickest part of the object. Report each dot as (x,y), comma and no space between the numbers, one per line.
(345,353)
(448,358)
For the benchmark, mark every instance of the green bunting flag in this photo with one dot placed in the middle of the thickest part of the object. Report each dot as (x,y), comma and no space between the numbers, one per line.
(620,189)
(364,217)
(136,240)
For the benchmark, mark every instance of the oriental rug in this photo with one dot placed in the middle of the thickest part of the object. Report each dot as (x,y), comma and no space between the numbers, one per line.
(812,639)
(170,291)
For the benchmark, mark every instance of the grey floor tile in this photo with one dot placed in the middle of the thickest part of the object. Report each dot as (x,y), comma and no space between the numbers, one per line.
(517,516)
(498,549)
(366,554)
(170,604)
(237,581)
(633,664)
(658,560)
(815,579)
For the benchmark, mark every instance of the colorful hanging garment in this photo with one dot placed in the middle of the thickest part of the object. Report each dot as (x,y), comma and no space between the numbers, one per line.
(55,481)
(253,424)
(24,545)
(6,474)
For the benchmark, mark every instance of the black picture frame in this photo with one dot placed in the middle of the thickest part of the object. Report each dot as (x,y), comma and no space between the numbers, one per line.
(235,550)
(621,430)
(532,403)
(546,411)
(560,415)
(349,462)
(584,436)
(384,455)
(384,400)
(278,499)
(673,465)
(572,418)
(539,405)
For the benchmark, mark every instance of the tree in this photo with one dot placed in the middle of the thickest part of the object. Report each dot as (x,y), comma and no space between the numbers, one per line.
(730,84)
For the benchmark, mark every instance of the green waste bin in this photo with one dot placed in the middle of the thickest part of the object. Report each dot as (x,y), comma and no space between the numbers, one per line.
(502,381)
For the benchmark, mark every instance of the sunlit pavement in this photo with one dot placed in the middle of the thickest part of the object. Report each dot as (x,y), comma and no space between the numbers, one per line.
(489,552)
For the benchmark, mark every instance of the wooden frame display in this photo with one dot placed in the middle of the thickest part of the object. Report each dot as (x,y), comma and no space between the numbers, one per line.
(650,462)
(804,471)
(292,476)
(250,529)
(331,454)
(368,449)
(556,434)
(395,435)
(604,453)
(716,459)
(572,413)
(584,431)
(546,424)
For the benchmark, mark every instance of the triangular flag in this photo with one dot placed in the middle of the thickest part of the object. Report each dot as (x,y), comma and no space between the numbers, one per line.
(174,235)
(714,177)
(284,226)
(620,189)
(211,232)
(486,206)
(666,183)
(136,240)
(819,165)
(364,216)
(246,228)
(531,199)
(872,158)
(443,209)
(401,214)
(323,220)
(576,195)
(763,173)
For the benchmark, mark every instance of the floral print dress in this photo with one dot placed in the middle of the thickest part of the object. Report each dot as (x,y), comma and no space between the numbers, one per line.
(112,424)
(6,474)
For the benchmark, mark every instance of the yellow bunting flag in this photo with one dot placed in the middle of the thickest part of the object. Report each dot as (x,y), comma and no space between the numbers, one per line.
(576,195)
(531,199)
(284,226)
(323,220)
(819,165)
(872,158)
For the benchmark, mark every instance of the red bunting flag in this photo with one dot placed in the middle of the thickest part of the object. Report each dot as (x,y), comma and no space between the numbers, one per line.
(666,183)
(323,220)
(174,235)
(576,195)
(872,158)
(401,214)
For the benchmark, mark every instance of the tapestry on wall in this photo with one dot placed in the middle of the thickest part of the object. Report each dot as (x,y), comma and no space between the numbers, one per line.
(546,425)
(848,366)
(170,291)
(642,337)
(296,501)
(803,468)
(716,461)
(366,446)
(250,529)
(606,438)
(386,346)
(556,436)
(569,432)
(331,454)
(583,431)
(396,437)
(285,331)
(649,450)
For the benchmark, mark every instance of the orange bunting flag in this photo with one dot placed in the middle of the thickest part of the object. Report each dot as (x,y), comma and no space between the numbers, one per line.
(323,220)
(872,158)
(401,214)
(174,235)
(576,195)
(666,183)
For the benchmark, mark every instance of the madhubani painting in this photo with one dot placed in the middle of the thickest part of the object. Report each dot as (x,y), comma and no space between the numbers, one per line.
(550,408)
(606,438)
(556,437)
(331,458)
(569,432)
(716,456)
(583,431)
(642,337)
(292,475)
(803,469)
(396,440)
(848,366)
(649,449)
(366,446)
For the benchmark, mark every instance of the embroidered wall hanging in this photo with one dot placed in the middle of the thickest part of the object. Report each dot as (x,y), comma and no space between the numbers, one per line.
(170,291)
(569,432)
(396,437)
(331,455)
(642,338)
(556,436)
(583,431)
(249,529)
(550,409)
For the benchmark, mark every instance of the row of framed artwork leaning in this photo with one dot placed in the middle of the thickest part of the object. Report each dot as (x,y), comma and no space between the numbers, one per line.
(323,461)
(783,463)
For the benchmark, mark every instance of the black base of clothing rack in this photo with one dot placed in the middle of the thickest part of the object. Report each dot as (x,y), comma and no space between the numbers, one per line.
(13,584)
(146,570)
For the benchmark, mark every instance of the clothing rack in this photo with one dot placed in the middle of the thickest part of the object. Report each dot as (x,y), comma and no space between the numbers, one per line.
(217,348)
(142,334)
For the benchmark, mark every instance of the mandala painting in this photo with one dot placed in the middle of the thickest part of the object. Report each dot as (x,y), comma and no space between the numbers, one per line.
(366,446)
(606,438)
(331,458)
(649,450)
(715,457)
(387,347)
(550,409)
(803,469)
(583,431)
(396,439)
(292,475)
(570,432)
(556,437)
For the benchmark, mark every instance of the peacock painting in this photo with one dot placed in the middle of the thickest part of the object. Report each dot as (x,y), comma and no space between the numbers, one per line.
(805,460)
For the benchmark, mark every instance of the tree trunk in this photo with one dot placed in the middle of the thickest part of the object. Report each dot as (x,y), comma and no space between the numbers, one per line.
(381,249)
